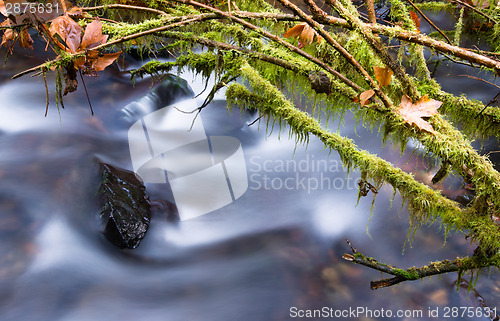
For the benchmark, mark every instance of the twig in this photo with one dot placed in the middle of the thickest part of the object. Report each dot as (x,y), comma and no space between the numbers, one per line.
(124,7)
(274,38)
(414,273)
(429,21)
(480,79)
(118,41)
(337,46)
(86,92)
(46,92)
(476,10)
(372,18)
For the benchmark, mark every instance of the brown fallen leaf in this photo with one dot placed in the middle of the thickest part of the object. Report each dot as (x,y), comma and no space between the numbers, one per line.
(69,31)
(105,60)
(304,33)
(416,20)
(365,96)
(93,35)
(25,40)
(383,75)
(412,113)
(70,82)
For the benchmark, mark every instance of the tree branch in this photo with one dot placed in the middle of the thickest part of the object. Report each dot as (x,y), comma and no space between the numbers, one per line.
(434,268)
(341,50)
(125,7)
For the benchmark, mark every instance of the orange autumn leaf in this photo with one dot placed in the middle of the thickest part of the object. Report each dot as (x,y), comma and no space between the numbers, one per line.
(383,75)
(294,32)
(304,33)
(25,40)
(365,96)
(413,113)
(416,20)
(105,60)
(68,30)
(93,36)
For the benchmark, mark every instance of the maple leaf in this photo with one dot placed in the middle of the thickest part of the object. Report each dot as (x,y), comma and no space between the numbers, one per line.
(304,33)
(383,75)
(412,113)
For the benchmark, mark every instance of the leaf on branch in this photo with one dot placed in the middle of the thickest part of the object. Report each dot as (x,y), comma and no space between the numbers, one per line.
(413,113)
(68,30)
(416,20)
(383,75)
(70,81)
(304,33)
(105,60)
(93,36)
(365,96)
(25,40)
(320,82)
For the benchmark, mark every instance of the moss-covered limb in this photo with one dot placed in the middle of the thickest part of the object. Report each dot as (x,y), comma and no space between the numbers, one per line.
(424,204)
(467,113)
(392,32)
(275,38)
(434,268)
(122,39)
(346,54)
(124,7)
(421,198)
(397,33)
(347,11)
(478,11)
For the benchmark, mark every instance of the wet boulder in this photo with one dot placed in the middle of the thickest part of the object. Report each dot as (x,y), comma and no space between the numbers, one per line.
(172,89)
(125,206)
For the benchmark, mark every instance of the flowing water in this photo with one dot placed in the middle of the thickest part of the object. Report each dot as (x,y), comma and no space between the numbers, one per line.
(271,252)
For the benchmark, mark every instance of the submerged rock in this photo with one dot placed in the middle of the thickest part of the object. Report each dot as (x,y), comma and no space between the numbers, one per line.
(171,90)
(125,207)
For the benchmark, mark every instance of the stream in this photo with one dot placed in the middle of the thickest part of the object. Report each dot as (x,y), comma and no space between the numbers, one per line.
(273,253)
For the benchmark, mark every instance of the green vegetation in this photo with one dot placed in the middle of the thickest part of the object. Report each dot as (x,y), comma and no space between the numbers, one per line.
(242,43)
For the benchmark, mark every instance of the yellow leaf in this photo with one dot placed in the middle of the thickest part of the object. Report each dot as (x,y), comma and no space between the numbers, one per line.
(307,35)
(294,32)
(383,75)
(365,96)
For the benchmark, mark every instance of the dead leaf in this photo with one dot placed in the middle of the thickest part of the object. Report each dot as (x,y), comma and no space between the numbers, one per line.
(365,96)
(320,82)
(304,32)
(383,75)
(105,60)
(416,20)
(93,36)
(68,30)
(70,82)
(25,40)
(295,31)
(412,113)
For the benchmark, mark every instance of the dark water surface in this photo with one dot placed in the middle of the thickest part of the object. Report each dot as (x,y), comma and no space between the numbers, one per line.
(271,252)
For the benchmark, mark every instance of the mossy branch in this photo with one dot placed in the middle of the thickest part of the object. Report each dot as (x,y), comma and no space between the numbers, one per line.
(346,54)
(459,265)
